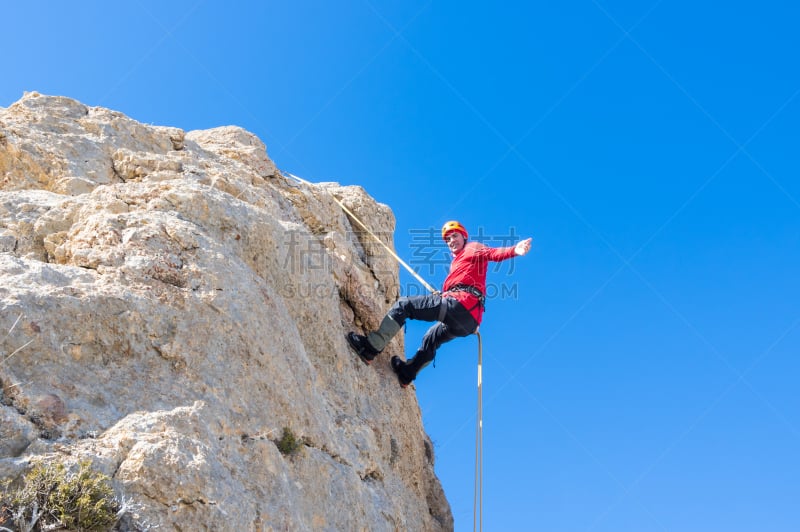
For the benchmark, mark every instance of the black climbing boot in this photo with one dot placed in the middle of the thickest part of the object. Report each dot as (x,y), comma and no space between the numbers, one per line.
(405,376)
(361,346)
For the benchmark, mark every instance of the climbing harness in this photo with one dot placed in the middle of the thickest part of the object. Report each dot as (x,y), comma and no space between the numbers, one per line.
(477,513)
(472,291)
(365,228)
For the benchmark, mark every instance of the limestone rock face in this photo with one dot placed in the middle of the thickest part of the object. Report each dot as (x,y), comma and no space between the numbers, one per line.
(170,303)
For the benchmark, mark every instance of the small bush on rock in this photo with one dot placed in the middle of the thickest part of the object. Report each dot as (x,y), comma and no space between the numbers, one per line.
(288,444)
(54,497)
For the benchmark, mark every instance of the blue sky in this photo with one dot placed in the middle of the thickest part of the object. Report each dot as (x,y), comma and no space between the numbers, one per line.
(641,371)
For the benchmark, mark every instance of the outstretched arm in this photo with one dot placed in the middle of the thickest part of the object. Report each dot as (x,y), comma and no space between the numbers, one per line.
(501,254)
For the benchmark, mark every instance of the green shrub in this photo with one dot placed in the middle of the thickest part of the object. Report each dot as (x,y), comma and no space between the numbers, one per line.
(54,497)
(288,444)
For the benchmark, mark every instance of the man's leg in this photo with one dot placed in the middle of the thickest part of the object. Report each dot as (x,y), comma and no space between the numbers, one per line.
(425,308)
(457,322)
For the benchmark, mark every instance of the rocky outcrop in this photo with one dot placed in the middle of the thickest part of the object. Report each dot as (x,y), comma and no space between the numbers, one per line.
(170,303)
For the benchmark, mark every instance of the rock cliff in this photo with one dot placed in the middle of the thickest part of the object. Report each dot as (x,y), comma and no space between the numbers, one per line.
(170,303)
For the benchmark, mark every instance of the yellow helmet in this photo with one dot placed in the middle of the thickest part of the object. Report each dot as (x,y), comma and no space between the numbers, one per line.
(453,225)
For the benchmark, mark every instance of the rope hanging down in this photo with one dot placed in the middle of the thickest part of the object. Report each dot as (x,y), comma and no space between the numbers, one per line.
(365,228)
(477,502)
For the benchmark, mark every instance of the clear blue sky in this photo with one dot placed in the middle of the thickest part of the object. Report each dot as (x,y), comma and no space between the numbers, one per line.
(644,374)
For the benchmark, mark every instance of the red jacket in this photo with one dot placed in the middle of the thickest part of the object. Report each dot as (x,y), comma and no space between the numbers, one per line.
(469,267)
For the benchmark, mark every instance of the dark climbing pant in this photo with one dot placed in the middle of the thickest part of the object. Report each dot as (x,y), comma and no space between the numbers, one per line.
(453,319)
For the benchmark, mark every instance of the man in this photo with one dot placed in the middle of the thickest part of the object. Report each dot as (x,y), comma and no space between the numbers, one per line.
(458,309)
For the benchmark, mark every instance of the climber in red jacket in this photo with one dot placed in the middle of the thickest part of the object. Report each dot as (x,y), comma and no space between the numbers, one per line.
(458,309)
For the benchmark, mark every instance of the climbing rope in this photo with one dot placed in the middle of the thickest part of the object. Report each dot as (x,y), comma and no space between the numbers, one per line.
(477,501)
(370,233)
